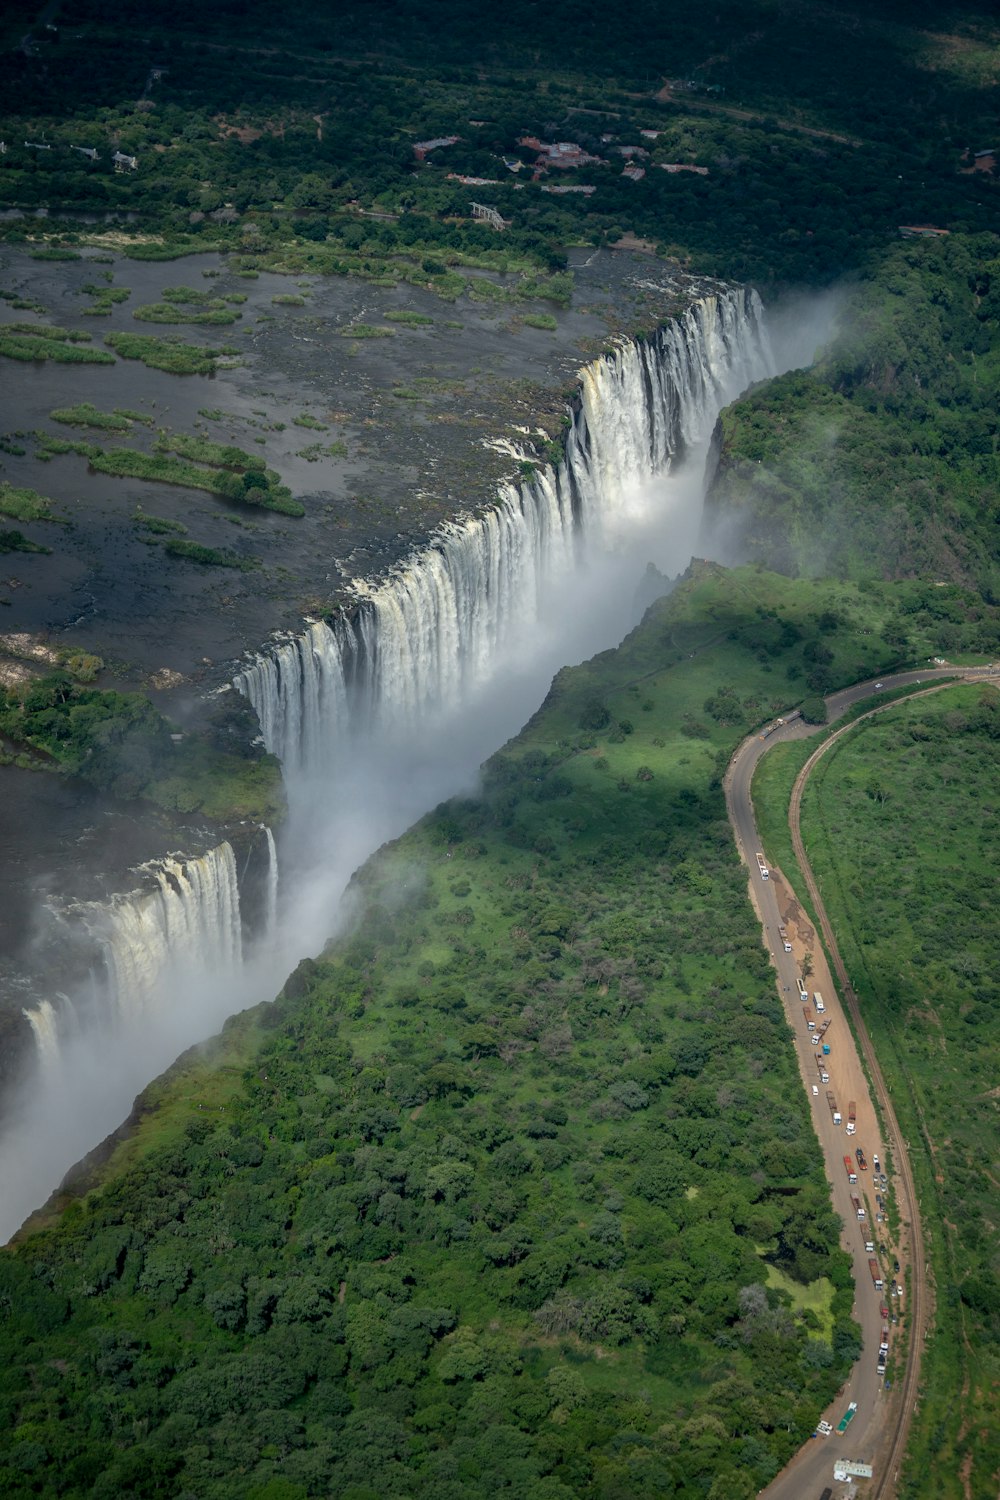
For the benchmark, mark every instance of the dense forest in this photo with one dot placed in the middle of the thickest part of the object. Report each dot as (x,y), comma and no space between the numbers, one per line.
(520,1168)
(815,135)
(884,458)
(908,800)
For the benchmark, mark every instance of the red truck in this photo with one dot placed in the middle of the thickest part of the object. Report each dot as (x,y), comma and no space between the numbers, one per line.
(852,1176)
(875,1273)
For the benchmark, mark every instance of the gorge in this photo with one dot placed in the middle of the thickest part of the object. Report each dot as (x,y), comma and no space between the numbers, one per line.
(392,705)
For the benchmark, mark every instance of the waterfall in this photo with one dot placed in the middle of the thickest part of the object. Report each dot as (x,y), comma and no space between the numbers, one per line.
(271,895)
(45,1025)
(379,714)
(189,922)
(436,628)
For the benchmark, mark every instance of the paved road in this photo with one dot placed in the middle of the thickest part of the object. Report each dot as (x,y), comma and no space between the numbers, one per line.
(876,1426)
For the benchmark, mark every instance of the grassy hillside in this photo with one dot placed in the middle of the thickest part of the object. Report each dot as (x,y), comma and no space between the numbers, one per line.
(520,1168)
(902,829)
(884,459)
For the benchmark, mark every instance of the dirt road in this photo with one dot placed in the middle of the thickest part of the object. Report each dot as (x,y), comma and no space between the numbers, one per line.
(878,1431)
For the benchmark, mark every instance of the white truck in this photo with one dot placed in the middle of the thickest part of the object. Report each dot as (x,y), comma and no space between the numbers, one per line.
(820,1007)
(765,873)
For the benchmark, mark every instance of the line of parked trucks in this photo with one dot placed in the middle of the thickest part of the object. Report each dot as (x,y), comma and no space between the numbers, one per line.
(818,1032)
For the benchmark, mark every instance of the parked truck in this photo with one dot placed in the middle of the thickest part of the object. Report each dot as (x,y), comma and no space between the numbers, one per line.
(820,1005)
(875,1273)
(808,1018)
(852,1176)
(765,873)
(858,1206)
(831,1099)
(852,1116)
(847,1418)
(824,1076)
(783,935)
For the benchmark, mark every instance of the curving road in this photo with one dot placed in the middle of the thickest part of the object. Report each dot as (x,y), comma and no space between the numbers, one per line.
(878,1433)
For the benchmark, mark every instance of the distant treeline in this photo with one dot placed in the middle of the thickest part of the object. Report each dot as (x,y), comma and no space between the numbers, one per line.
(819,138)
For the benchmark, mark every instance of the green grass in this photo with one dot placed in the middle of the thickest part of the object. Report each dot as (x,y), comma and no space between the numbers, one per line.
(45,343)
(214,313)
(159,525)
(540,320)
(175,250)
(772,789)
(288,299)
(816,1298)
(121,744)
(85,414)
(250,485)
(903,831)
(15,541)
(409,317)
(217,455)
(23,504)
(305,420)
(211,557)
(55,252)
(365,331)
(314,452)
(169,354)
(47,331)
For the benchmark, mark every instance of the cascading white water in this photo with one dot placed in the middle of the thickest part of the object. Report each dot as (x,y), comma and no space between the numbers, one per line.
(185,922)
(271,893)
(188,923)
(437,628)
(168,971)
(440,662)
(44,1023)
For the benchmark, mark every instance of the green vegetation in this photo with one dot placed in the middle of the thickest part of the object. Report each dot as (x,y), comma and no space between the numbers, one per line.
(56,252)
(120,743)
(903,832)
(305,420)
(288,299)
(87,415)
(16,541)
(211,557)
(520,1166)
(169,354)
(408,316)
(813,137)
(105,298)
(316,451)
(365,331)
(175,250)
(159,525)
(539,320)
(257,486)
(47,331)
(30,341)
(214,312)
(216,455)
(884,459)
(23,504)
